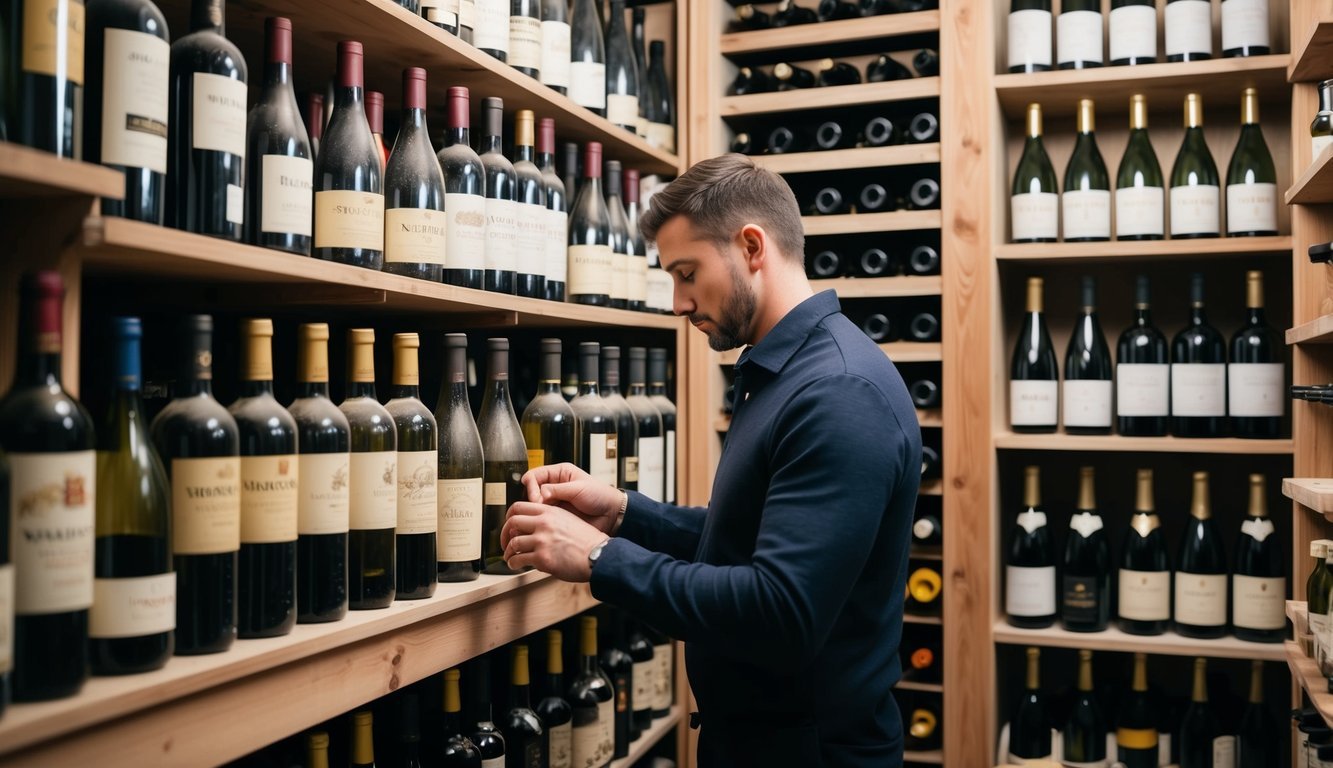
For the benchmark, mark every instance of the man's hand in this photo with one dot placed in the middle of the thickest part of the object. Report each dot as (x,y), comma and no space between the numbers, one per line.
(570,488)
(549,539)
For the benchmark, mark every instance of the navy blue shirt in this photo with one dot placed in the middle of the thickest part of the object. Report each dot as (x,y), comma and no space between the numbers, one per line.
(788,589)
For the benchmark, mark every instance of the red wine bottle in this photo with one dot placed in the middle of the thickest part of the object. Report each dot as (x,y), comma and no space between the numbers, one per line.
(622,77)
(501,200)
(414,219)
(557,212)
(314,124)
(590,256)
(375,118)
(45,104)
(637,248)
(464,198)
(349,177)
(530,220)
(460,471)
(279,161)
(620,245)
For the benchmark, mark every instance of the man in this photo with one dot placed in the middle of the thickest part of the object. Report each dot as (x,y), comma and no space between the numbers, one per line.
(788,589)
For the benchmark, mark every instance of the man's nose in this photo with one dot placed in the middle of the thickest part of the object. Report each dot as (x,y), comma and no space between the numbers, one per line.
(680,303)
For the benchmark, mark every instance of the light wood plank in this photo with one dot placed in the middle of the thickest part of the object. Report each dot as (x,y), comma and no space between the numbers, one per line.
(925,553)
(1169,444)
(849,159)
(1316,331)
(1112,639)
(912,618)
(1315,184)
(845,31)
(866,223)
(911,685)
(1134,252)
(1306,673)
(1312,56)
(1313,492)
(881,287)
(828,98)
(931,488)
(649,738)
(931,757)
(913,352)
(29,173)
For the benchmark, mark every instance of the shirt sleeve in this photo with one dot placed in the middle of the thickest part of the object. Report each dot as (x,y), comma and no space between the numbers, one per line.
(666,528)
(832,478)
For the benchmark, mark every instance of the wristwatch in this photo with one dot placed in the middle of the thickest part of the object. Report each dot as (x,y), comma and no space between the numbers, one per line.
(596,553)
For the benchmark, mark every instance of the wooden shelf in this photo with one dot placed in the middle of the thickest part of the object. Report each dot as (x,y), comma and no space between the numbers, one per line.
(931,757)
(881,287)
(870,223)
(830,97)
(1306,672)
(849,159)
(122,247)
(1219,81)
(222,706)
(1317,331)
(1315,184)
(931,488)
(28,173)
(929,553)
(845,31)
(1312,57)
(649,738)
(1129,251)
(912,618)
(1313,492)
(1063,442)
(1112,639)
(909,685)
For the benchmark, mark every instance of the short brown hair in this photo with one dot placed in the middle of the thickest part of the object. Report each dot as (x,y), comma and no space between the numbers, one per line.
(720,195)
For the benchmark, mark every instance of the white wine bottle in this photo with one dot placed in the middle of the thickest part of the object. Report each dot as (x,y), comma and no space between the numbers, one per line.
(1086,202)
(1086,394)
(1029,37)
(1034,386)
(504,452)
(1034,202)
(1195,206)
(1144,592)
(1140,200)
(1258,580)
(1251,177)
(373,480)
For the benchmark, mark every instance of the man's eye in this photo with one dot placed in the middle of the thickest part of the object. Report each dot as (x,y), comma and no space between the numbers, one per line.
(684,278)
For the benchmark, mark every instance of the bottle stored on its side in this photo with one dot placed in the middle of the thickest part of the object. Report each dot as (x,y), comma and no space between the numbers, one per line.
(591,259)
(1078,35)
(923,128)
(924,260)
(1195,206)
(927,531)
(530,223)
(923,729)
(349,175)
(1085,730)
(557,213)
(880,131)
(924,194)
(836,10)
(595,433)
(825,264)
(1085,604)
(751,80)
(373,480)
(1251,178)
(524,732)
(838,72)
(789,14)
(415,223)
(742,144)
(791,78)
(460,472)
(924,586)
(1029,572)
(1258,579)
(591,696)
(1189,30)
(874,262)
(418,461)
(874,198)
(554,710)
(829,201)
(1030,729)
(1086,201)
(749,19)
(1140,201)
(1136,723)
(1198,373)
(501,200)
(1132,30)
(1144,593)
(884,68)
(926,62)
(832,134)
(464,198)
(1034,392)
(784,139)
(504,454)
(1034,201)
(925,393)
(627,428)
(1029,35)
(923,662)
(1199,727)
(1201,575)
(923,327)
(620,238)
(1256,374)
(1086,394)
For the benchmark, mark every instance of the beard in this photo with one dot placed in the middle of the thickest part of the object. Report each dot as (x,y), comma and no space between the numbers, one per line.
(732,328)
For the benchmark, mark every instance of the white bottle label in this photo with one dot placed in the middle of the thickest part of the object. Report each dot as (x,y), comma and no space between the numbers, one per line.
(1195,210)
(1244,24)
(664,658)
(134,99)
(1198,389)
(1189,27)
(525,42)
(1201,599)
(417,494)
(587,84)
(622,109)
(465,232)
(638,279)
(555,54)
(1224,752)
(620,275)
(1318,144)
(501,234)
(1255,389)
(1079,37)
(1035,215)
(602,462)
(1251,208)
(562,746)
(235,204)
(459,520)
(1134,32)
(660,289)
(1258,603)
(494,762)
(1033,403)
(1143,389)
(1030,38)
(491,30)
(467,14)
(270,498)
(133,607)
(288,196)
(1087,403)
(325,501)
(205,506)
(1145,595)
(590,270)
(6,617)
(670,467)
(1029,591)
(218,114)
(496,494)
(530,241)
(440,12)
(374,490)
(652,459)
(1140,211)
(1087,213)
(415,236)
(557,235)
(643,684)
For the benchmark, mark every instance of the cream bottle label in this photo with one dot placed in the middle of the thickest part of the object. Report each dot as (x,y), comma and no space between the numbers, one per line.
(347,218)
(43,34)
(1244,24)
(288,203)
(205,506)
(218,114)
(459,520)
(325,493)
(133,607)
(417,493)
(134,99)
(525,42)
(1087,403)
(1258,603)
(1255,389)
(1201,598)
(530,247)
(602,459)
(270,498)
(1144,389)
(1145,595)
(1133,32)
(501,235)
(557,235)
(1033,403)
(1079,37)
(1087,214)
(465,232)
(491,30)
(1251,208)
(1140,211)
(1029,591)
(415,235)
(1030,38)
(1189,27)
(1194,210)
(555,54)
(652,469)
(590,268)
(1035,215)
(587,84)
(6,617)
(1198,389)
(374,490)
(51,500)
(622,109)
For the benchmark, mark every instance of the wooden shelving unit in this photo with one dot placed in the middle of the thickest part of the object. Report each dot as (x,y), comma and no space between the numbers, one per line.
(28,173)
(1316,493)
(1316,331)
(1116,251)
(1315,184)
(869,223)
(650,738)
(845,31)
(850,159)
(1112,639)
(1169,444)
(1312,52)
(880,287)
(828,98)
(1305,672)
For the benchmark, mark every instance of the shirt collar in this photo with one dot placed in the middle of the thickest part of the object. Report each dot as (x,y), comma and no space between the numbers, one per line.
(777,347)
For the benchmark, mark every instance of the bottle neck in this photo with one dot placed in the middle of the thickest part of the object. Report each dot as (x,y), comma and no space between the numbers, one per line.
(453,724)
(414,120)
(399,391)
(1142,316)
(194,387)
(458,135)
(546,162)
(1197,315)
(656,389)
(278,74)
(350,97)
(638,390)
(525,153)
(361,389)
(492,143)
(610,390)
(555,683)
(256,388)
(1255,316)
(520,696)
(208,15)
(312,389)
(40,369)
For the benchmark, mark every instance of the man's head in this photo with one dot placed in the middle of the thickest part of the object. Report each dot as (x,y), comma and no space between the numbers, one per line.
(730,235)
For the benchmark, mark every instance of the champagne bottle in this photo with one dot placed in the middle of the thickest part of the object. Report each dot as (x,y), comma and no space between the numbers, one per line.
(651,451)
(1086,574)
(1085,730)
(417,437)
(554,710)
(1258,581)
(1140,207)
(1029,38)
(622,77)
(595,432)
(591,697)
(349,175)
(1086,202)
(1255,377)
(525,37)
(620,237)
(133,613)
(1251,178)
(1201,578)
(557,213)
(1245,29)
(587,68)
(415,222)
(363,740)
(1033,376)
(1133,32)
(1256,746)
(501,201)
(1030,728)
(1189,30)
(591,258)
(458,750)
(1198,373)
(657,370)
(461,472)
(548,422)
(1087,386)
(464,198)
(638,249)
(555,55)
(1029,568)
(1194,191)
(506,456)
(627,428)
(523,730)
(530,222)
(1199,728)
(1144,593)
(1136,729)
(1143,397)
(373,480)
(618,666)
(1078,35)
(1034,202)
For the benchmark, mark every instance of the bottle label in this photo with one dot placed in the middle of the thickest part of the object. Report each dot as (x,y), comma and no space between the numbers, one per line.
(1255,389)
(1087,403)
(465,233)
(415,235)
(670,489)
(346,218)
(1194,209)
(51,499)
(1201,599)
(374,490)
(536,458)
(325,495)
(664,659)
(562,746)
(6,618)
(1085,523)
(1144,389)
(1244,24)
(1224,752)
(1029,591)
(638,278)
(602,463)
(1318,144)
(622,109)
(641,127)
(1189,27)
(557,235)
(1081,599)
(590,746)
(555,57)
(652,467)
(1036,215)
(590,268)
(1140,211)
(467,14)
(631,469)
(288,197)
(417,503)
(644,687)
(620,267)
(235,204)
(661,290)
(530,247)
(270,497)
(1145,595)
(205,505)
(501,235)
(134,99)
(1258,603)
(1087,212)
(1257,528)
(42,38)
(144,605)
(1079,37)
(662,135)
(496,494)
(525,42)
(459,520)
(442,12)
(1033,403)
(491,30)
(494,762)
(1134,32)
(218,114)
(1251,208)
(587,84)
(1029,38)
(1198,389)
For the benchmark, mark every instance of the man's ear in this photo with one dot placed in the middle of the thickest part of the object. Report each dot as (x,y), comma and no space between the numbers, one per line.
(754,245)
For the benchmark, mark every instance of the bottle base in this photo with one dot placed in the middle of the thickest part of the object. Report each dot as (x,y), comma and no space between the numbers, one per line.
(1031,622)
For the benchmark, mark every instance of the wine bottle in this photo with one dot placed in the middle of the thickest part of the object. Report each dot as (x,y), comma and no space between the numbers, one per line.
(363,740)
(883,69)
(199,444)
(530,213)
(555,712)
(133,615)
(1194,192)
(1078,35)
(458,750)
(1086,571)
(1087,385)
(441,13)
(1030,728)
(634,244)
(792,78)
(555,53)
(926,62)
(925,393)
(556,216)
(460,472)
(1189,30)
(923,327)
(506,456)
(627,428)
(349,180)
(525,37)
(881,131)
(375,119)
(1086,201)
(44,80)
(125,124)
(879,328)
(587,68)
(1199,728)
(930,463)
(501,201)
(591,698)
(1034,202)
(409,731)
(836,10)
(749,19)
(314,128)
(924,194)
(825,264)
(324,509)
(270,495)
(417,436)
(1245,32)
(1133,35)
(1251,179)
(924,128)
(838,72)
(1085,730)
(652,451)
(595,432)
(832,134)
(751,80)
(784,139)
(620,245)
(525,740)
(828,201)
(1198,373)
(415,222)
(1255,745)
(1255,376)
(622,78)
(662,123)
(664,658)
(1321,128)
(317,749)
(1034,392)
(490,28)
(373,480)
(1029,570)
(1258,581)
(548,421)
(924,260)
(205,191)
(923,728)
(789,14)
(591,258)
(1029,38)
(1143,399)
(1144,592)
(1136,729)
(743,144)
(488,738)
(874,262)
(1201,577)
(875,197)
(618,666)
(657,368)
(464,198)
(643,678)
(927,531)
(1140,208)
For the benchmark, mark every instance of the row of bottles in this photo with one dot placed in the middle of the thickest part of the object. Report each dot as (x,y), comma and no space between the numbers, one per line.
(882,325)
(828,134)
(880,260)
(749,18)
(785,76)
(1140,201)
(876,197)
(1197,387)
